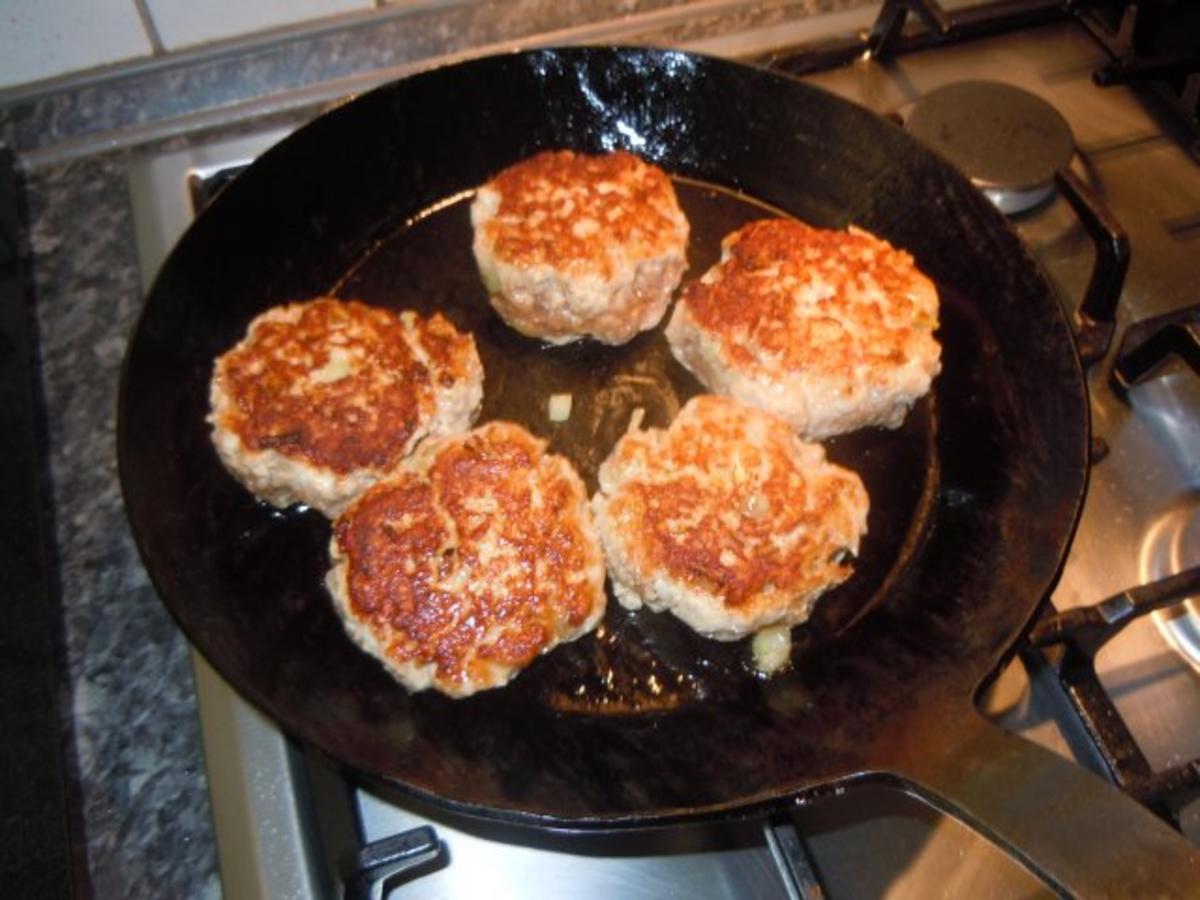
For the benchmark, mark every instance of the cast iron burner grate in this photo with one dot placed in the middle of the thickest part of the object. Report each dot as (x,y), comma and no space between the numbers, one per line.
(1067,643)
(889,37)
(1155,43)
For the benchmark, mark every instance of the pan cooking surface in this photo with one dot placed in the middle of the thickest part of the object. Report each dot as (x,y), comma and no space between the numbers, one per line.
(972,500)
(644,661)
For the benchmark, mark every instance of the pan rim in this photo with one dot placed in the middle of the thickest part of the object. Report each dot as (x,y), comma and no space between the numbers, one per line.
(620,820)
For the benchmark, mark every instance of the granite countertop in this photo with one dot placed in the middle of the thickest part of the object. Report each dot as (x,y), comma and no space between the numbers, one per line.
(137,800)
(126,691)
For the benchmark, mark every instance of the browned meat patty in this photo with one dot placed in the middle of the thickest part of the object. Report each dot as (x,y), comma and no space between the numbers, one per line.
(829,330)
(323,398)
(573,246)
(478,555)
(726,519)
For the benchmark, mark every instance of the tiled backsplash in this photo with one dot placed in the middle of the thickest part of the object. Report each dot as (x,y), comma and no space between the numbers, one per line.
(43,38)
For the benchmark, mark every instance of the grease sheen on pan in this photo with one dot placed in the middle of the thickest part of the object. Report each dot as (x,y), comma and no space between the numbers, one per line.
(475,557)
(322,398)
(726,519)
(571,245)
(829,330)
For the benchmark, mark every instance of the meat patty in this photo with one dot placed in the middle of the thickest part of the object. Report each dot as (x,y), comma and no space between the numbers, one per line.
(476,556)
(572,246)
(829,330)
(726,519)
(323,398)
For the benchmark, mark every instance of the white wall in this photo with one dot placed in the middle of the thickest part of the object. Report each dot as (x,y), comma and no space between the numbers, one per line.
(43,38)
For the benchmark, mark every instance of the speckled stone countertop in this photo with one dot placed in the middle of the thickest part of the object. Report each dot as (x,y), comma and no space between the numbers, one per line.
(136,771)
(127,686)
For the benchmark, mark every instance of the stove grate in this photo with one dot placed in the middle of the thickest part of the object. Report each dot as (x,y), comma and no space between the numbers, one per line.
(1068,642)
(1148,343)
(1150,43)
(889,37)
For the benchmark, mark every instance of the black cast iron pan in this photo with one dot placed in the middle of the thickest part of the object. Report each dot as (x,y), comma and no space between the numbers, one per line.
(973,501)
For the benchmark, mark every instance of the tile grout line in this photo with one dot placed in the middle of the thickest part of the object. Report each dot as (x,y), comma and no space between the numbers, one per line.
(157,48)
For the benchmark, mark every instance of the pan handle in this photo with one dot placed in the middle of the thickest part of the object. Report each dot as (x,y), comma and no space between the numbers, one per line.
(1070,828)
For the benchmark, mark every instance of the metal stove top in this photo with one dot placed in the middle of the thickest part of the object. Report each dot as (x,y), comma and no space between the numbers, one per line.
(286,820)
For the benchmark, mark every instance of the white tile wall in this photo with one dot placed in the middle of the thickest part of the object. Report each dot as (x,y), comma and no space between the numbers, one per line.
(182,23)
(41,38)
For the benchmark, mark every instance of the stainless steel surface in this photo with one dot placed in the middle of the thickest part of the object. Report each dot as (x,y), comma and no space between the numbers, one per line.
(1139,521)
(264,836)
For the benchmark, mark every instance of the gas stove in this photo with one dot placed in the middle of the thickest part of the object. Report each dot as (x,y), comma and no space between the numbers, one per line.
(1117,691)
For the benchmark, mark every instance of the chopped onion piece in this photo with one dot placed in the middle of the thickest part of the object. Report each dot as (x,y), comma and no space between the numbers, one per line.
(559,407)
(772,648)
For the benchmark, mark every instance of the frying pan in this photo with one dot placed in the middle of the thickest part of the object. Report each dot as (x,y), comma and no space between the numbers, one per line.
(974,499)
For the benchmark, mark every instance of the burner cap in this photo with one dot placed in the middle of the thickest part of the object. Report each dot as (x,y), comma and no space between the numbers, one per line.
(1008,141)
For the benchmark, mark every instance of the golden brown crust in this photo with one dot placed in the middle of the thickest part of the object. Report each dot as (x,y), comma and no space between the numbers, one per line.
(567,211)
(335,383)
(749,300)
(473,559)
(829,330)
(727,518)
